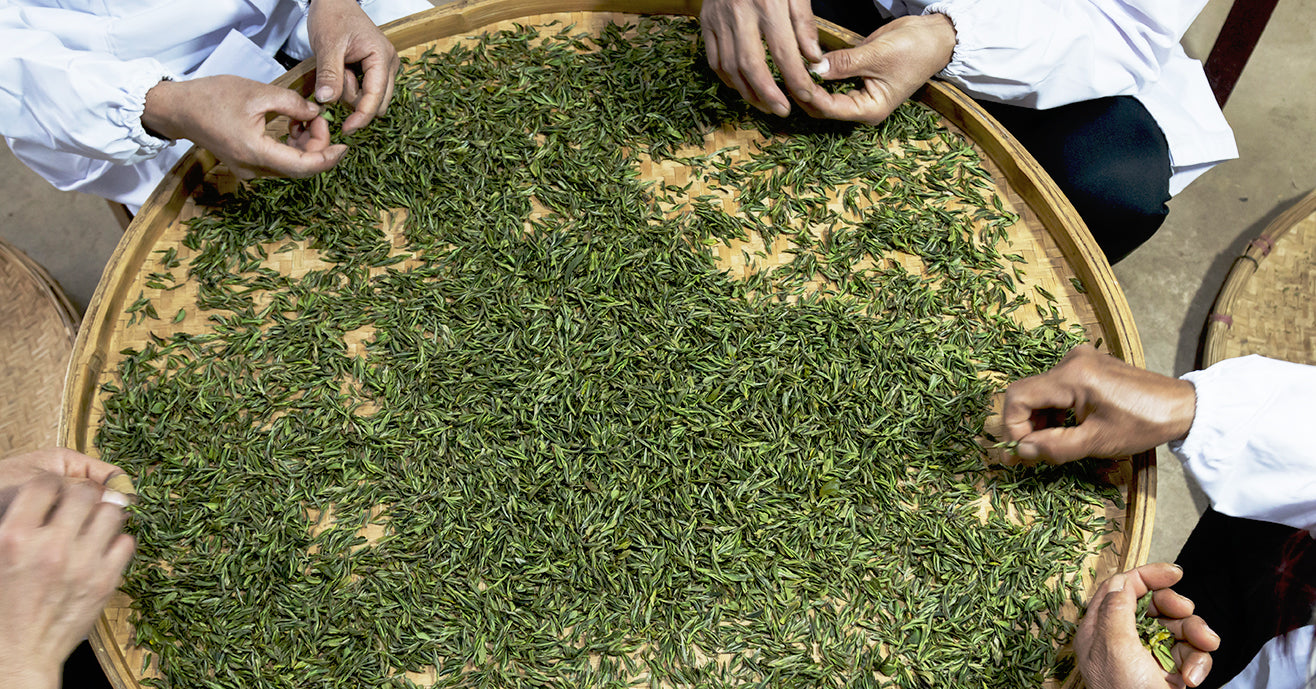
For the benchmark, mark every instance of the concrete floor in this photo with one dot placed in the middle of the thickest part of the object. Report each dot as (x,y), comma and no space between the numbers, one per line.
(1170,282)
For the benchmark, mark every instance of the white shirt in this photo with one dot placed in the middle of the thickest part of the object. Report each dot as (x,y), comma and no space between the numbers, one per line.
(74,76)
(1250,450)
(1046,53)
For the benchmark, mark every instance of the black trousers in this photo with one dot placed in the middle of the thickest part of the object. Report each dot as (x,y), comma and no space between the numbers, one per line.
(1231,569)
(1107,155)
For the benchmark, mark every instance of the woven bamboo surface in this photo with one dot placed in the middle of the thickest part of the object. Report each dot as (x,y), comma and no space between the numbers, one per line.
(1267,304)
(36,341)
(1048,235)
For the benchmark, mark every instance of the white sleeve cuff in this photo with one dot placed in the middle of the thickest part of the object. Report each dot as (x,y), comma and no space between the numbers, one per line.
(960,13)
(1249,446)
(129,115)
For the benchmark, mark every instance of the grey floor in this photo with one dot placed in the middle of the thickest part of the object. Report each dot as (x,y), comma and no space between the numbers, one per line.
(1170,282)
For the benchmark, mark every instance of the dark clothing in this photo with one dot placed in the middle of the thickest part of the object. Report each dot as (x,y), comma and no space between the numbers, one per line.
(1107,155)
(1231,566)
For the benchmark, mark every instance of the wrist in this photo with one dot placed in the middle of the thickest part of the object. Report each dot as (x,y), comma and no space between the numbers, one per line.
(160,114)
(1181,410)
(942,36)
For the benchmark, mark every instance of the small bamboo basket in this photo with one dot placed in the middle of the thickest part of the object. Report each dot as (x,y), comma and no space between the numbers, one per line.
(40,325)
(1059,251)
(1267,304)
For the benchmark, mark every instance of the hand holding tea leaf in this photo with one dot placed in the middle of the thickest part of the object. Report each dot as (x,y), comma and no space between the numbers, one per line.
(893,62)
(1111,654)
(1120,409)
(226,115)
(341,34)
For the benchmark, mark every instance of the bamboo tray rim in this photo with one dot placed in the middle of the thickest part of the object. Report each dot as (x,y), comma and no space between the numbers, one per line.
(1054,211)
(1219,323)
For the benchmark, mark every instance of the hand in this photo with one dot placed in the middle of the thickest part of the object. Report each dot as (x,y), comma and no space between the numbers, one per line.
(1120,409)
(734,32)
(61,557)
(342,34)
(226,115)
(20,469)
(894,62)
(1110,654)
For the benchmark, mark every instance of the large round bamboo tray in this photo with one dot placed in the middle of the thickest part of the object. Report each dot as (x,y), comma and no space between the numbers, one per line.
(1050,236)
(1266,303)
(36,342)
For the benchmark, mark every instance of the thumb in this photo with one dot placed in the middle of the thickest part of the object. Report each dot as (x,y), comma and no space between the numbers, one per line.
(288,102)
(1058,445)
(1116,618)
(844,64)
(329,73)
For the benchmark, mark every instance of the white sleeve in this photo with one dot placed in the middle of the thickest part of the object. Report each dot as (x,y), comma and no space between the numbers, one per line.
(1250,447)
(71,100)
(1047,53)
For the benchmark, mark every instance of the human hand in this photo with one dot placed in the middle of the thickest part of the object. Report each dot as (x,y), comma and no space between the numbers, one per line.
(61,557)
(75,466)
(1120,409)
(893,62)
(734,32)
(341,34)
(1110,654)
(226,115)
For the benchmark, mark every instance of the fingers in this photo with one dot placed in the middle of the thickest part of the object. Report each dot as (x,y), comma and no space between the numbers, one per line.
(374,87)
(1113,610)
(290,162)
(806,30)
(75,506)
(1168,604)
(329,66)
(31,506)
(1026,396)
(104,525)
(1059,445)
(751,64)
(283,101)
(78,466)
(310,136)
(1194,662)
(784,44)
(872,104)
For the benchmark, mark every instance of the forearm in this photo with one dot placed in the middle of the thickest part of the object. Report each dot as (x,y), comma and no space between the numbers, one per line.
(73,101)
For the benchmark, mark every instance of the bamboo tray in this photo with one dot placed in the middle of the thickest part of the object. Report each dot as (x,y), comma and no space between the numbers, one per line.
(1266,303)
(36,342)
(1049,235)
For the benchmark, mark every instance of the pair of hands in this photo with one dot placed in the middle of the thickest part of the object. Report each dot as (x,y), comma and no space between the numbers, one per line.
(227,115)
(1120,410)
(893,62)
(62,555)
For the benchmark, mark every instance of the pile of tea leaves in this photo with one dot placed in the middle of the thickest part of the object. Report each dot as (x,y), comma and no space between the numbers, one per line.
(589,457)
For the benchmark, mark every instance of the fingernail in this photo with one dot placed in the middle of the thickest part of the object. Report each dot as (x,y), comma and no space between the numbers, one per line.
(1177,567)
(114,498)
(324,93)
(1116,583)
(1027,451)
(1197,673)
(781,110)
(821,67)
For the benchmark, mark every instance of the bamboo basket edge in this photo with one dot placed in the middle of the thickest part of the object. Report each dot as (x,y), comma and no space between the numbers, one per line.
(1019,167)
